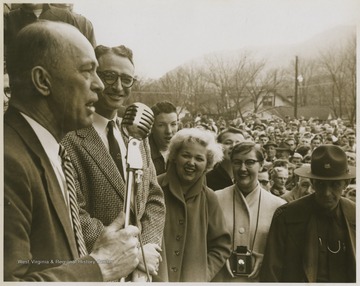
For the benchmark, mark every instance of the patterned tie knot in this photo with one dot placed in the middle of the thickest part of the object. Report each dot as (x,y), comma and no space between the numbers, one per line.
(63,154)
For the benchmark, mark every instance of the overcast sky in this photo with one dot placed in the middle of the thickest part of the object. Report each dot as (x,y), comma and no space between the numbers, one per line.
(166,33)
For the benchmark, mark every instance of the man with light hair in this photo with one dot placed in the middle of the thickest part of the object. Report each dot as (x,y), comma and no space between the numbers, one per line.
(279,175)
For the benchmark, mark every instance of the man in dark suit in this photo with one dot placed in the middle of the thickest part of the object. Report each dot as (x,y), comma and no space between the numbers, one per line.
(102,178)
(312,239)
(54,84)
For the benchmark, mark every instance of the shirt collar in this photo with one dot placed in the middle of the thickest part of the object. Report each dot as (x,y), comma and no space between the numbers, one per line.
(47,140)
(100,122)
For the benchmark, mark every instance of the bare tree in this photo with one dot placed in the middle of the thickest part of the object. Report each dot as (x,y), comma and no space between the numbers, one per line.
(338,66)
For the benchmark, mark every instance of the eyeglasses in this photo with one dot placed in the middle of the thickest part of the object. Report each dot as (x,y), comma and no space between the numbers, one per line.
(111,77)
(249,163)
(7,92)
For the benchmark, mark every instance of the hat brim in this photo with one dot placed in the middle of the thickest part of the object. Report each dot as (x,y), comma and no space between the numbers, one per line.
(305,171)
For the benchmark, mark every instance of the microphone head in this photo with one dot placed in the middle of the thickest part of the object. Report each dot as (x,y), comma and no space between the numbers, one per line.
(138,120)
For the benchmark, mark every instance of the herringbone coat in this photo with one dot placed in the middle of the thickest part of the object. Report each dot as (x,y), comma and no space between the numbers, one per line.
(101,188)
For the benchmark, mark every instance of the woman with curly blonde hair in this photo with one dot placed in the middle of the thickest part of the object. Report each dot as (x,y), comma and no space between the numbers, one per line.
(196,243)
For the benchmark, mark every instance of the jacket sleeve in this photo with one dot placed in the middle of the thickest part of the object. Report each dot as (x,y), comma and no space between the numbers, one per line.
(21,181)
(274,256)
(218,237)
(153,219)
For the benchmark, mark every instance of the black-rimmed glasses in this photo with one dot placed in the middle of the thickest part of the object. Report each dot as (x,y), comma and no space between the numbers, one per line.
(249,163)
(111,77)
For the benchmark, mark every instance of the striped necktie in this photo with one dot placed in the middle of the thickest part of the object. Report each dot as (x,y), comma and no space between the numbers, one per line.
(74,210)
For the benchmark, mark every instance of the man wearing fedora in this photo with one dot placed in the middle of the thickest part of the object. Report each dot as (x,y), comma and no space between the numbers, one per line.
(283,151)
(313,239)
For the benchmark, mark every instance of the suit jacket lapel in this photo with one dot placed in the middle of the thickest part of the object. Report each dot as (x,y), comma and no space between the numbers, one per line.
(93,144)
(52,185)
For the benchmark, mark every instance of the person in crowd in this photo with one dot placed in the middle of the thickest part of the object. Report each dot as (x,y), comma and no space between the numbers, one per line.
(264,179)
(54,88)
(296,159)
(307,159)
(351,141)
(279,176)
(221,176)
(196,242)
(292,178)
(248,210)
(351,157)
(312,239)
(270,151)
(292,143)
(305,139)
(102,174)
(28,13)
(315,142)
(350,192)
(263,139)
(303,150)
(283,151)
(7,91)
(302,188)
(164,128)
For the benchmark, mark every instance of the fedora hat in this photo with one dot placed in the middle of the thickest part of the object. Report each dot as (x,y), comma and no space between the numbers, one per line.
(283,147)
(328,162)
(270,143)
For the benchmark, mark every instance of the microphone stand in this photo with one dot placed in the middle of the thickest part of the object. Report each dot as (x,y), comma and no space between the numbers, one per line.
(137,121)
(134,166)
(134,171)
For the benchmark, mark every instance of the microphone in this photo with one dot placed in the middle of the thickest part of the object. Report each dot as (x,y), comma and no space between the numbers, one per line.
(137,121)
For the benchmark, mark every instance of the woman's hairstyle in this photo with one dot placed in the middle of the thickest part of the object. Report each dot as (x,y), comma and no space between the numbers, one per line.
(228,130)
(119,50)
(195,135)
(246,147)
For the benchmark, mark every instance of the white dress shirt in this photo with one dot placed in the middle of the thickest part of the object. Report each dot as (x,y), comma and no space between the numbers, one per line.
(100,124)
(51,147)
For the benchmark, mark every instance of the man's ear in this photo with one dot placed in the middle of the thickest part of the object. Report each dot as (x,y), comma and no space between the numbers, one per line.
(41,80)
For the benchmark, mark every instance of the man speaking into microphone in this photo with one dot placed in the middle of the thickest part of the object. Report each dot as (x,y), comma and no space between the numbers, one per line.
(98,154)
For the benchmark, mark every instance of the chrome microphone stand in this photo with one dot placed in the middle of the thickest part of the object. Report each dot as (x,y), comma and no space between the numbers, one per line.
(137,122)
(134,174)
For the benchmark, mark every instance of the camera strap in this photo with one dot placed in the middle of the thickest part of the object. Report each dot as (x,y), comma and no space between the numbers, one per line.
(257,221)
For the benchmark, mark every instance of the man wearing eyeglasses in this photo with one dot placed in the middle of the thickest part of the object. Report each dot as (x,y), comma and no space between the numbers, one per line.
(102,177)
(248,209)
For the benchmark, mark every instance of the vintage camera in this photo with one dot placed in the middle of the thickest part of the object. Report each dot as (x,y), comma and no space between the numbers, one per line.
(241,261)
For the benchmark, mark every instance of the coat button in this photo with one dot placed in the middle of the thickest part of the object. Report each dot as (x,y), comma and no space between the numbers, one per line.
(174,269)
(181,221)
(178,237)
(177,252)
(241,230)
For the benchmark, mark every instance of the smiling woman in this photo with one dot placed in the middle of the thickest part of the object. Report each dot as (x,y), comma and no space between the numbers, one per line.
(194,234)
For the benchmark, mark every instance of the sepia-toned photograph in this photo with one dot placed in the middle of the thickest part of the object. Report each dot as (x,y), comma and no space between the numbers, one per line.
(168,141)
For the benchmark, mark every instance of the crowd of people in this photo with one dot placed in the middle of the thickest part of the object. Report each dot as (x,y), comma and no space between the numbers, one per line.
(250,200)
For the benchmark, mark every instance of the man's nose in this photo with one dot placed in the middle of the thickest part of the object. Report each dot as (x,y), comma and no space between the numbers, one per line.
(97,84)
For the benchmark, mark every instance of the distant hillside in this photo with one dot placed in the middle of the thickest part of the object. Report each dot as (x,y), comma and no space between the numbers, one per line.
(281,56)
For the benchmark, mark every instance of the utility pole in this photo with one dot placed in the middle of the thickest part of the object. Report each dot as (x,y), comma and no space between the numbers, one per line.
(296,87)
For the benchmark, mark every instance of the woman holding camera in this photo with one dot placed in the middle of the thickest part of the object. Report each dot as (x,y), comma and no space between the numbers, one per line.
(248,210)
(196,241)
